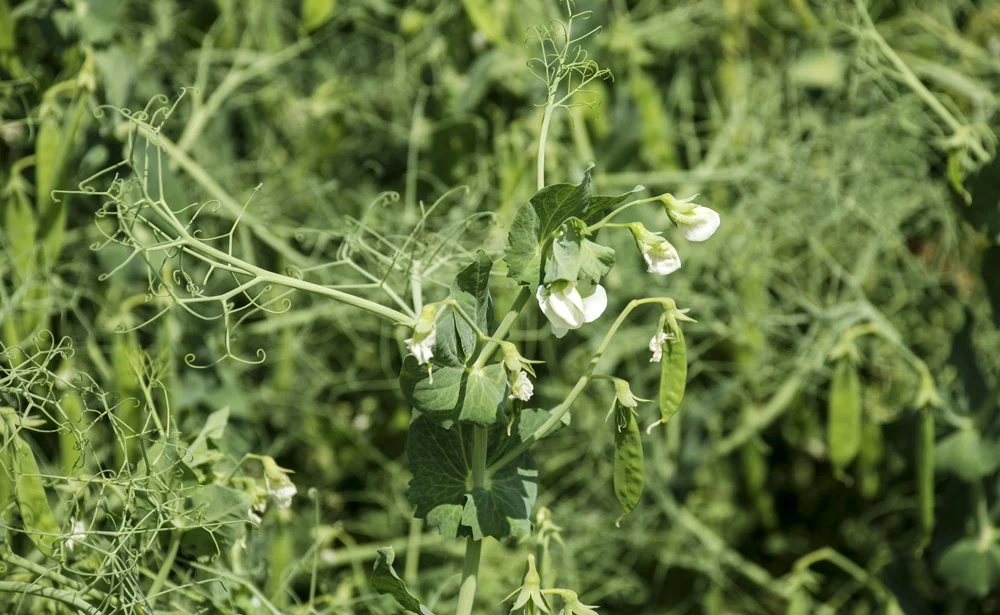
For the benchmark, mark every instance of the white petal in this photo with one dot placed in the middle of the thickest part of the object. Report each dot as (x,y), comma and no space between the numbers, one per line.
(521,388)
(559,331)
(595,303)
(661,258)
(698,225)
(656,346)
(563,309)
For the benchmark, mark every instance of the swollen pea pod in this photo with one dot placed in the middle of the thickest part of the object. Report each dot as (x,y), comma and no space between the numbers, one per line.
(29,492)
(843,428)
(925,473)
(629,474)
(871,454)
(673,374)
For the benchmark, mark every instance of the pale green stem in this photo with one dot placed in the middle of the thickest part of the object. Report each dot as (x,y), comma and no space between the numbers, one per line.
(911,79)
(473,548)
(164,572)
(543,138)
(59,595)
(505,325)
(607,219)
(559,411)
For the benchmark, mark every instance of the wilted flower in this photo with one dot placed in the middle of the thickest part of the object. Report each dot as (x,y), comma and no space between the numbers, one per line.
(424,335)
(696,222)
(513,360)
(530,596)
(661,257)
(521,388)
(256,512)
(279,486)
(569,305)
(656,346)
(624,396)
(283,495)
(77,533)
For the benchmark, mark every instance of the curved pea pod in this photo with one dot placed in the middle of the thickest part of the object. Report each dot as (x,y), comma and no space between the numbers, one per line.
(673,375)
(629,472)
(871,454)
(925,472)
(29,492)
(843,427)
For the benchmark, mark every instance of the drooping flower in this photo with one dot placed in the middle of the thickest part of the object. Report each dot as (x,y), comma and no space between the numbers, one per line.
(570,305)
(521,387)
(656,346)
(571,602)
(78,533)
(624,395)
(695,222)
(661,257)
(279,485)
(424,335)
(283,495)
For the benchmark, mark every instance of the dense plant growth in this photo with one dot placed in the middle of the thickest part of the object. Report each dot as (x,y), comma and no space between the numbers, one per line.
(353,307)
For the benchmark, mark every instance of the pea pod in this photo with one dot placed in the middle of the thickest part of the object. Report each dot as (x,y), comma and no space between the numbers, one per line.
(673,374)
(925,472)
(871,454)
(843,428)
(629,474)
(29,492)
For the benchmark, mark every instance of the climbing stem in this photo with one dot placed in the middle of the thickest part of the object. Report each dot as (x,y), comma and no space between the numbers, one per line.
(473,548)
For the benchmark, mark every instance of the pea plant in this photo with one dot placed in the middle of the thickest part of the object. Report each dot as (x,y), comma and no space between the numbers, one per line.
(475,418)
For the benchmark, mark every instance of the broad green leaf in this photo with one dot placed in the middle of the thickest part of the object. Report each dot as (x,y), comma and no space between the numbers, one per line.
(456,393)
(19,233)
(523,253)
(971,565)
(471,290)
(386,581)
(967,455)
(601,205)
(29,490)
(574,257)
(98,19)
(440,460)
(118,71)
(315,13)
(215,426)
(214,520)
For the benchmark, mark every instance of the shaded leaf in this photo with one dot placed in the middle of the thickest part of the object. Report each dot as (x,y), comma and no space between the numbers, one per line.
(386,581)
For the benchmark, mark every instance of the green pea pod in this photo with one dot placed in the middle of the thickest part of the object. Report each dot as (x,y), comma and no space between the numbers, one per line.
(673,374)
(925,472)
(19,229)
(869,457)
(29,492)
(843,427)
(629,474)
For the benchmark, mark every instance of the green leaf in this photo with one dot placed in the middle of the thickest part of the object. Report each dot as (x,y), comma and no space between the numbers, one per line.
(386,581)
(471,290)
(967,455)
(523,253)
(19,232)
(442,477)
(215,426)
(456,393)
(29,490)
(544,214)
(98,19)
(315,13)
(574,257)
(971,565)
(215,520)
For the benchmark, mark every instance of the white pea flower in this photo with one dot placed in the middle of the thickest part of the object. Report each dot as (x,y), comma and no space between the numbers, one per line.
(521,388)
(283,494)
(424,335)
(77,534)
(656,346)
(696,222)
(661,257)
(569,305)
(256,512)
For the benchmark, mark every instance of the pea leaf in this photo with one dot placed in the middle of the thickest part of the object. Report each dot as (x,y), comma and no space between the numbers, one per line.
(471,290)
(456,393)
(386,581)
(29,490)
(971,566)
(216,517)
(967,455)
(574,257)
(547,211)
(440,489)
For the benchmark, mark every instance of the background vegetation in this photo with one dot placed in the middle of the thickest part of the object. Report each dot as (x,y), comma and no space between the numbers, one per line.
(850,159)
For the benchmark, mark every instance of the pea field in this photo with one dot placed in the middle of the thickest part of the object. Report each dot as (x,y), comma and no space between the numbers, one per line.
(462,307)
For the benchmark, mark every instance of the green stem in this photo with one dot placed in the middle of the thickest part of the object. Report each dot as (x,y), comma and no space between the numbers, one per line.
(165,568)
(505,325)
(473,548)
(559,411)
(911,79)
(543,136)
(607,219)
(59,595)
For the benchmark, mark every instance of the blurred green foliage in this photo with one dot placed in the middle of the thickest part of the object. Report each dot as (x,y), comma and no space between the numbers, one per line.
(857,221)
